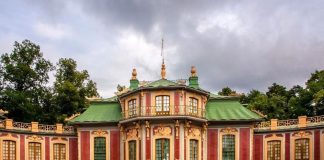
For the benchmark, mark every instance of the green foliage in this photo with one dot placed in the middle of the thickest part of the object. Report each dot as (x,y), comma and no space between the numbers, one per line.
(24,75)
(25,91)
(71,88)
(227,91)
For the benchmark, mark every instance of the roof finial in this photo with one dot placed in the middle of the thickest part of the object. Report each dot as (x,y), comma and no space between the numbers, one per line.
(193,71)
(134,74)
(163,71)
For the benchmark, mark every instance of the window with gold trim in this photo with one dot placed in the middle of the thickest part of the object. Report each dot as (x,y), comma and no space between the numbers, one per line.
(194,149)
(132,150)
(34,151)
(228,147)
(274,150)
(162,104)
(132,108)
(59,151)
(193,106)
(302,149)
(8,150)
(99,148)
(162,149)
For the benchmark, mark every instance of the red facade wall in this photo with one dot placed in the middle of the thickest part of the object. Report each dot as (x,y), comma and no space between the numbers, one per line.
(114,145)
(22,147)
(212,137)
(244,143)
(73,146)
(176,147)
(176,102)
(47,148)
(148,140)
(85,145)
(317,146)
(287,146)
(258,147)
(148,103)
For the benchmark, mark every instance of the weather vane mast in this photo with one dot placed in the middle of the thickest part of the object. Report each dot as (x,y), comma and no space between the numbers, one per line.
(163,69)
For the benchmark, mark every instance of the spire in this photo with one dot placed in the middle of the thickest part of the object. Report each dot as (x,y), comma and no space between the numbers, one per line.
(163,71)
(193,71)
(193,79)
(134,74)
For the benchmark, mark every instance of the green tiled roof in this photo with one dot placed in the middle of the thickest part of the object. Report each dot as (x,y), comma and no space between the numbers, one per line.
(100,112)
(228,110)
(162,83)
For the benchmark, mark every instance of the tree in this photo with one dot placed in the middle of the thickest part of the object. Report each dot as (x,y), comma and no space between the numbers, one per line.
(276,89)
(23,76)
(227,92)
(315,87)
(246,99)
(71,88)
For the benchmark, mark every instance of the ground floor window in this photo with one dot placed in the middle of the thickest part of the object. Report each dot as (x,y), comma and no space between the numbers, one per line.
(99,148)
(302,149)
(8,150)
(162,149)
(59,151)
(132,150)
(193,149)
(228,147)
(34,151)
(274,149)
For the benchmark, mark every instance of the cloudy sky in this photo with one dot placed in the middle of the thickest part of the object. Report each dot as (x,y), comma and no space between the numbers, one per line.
(241,44)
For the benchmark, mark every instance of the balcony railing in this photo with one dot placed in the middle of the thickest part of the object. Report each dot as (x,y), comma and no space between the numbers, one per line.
(163,111)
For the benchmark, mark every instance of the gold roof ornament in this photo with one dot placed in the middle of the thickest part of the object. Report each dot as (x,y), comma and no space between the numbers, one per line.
(163,71)
(193,71)
(134,74)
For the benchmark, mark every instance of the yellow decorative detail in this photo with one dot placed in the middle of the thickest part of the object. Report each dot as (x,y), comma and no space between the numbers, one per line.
(134,74)
(163,71)
(193,71)
(194,132)
(34,138)
(162,131)
(228,130)
(99,132)
(147,126)
(131,133)
(301,134)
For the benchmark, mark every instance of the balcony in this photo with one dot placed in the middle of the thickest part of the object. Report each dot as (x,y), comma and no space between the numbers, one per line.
(171,111)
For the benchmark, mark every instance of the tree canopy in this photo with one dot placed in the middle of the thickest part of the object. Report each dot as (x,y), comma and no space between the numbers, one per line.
(25,91)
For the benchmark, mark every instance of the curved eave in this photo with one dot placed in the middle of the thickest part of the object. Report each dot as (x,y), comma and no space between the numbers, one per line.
(166,88)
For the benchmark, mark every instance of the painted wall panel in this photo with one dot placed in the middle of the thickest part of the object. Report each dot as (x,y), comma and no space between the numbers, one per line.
(22,147)
(317,146)
(287,146)
(244,143)
(47,148)
(212,144)
(258,147)
(73,143)
(85,145)
(114,145)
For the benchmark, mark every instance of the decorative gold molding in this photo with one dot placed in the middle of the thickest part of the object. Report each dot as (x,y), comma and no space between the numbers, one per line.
(229,130)
(301,134)
(147,126)
(131,133)
(194,132)
(162,131)
(34,138)
(99,132)
(177,125)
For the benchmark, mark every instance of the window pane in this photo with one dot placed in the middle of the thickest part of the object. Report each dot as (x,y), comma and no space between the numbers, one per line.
(228,147)
(132,150)
(162,104)
(162,149)
(59,151)
(132,108)
(302,149)
(100,148)
(193,149)
(193,106)
(34,151)
(9,150)
(274,150)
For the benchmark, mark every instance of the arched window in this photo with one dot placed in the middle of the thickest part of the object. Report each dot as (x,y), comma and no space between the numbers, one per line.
(274,150)
(59,151)
(194,149)
(99,148)
(132,150)
(34,151)
(193,106)
(302,149)
(162,104)
(132,108)
(8,150)
(228,147)
(162,149)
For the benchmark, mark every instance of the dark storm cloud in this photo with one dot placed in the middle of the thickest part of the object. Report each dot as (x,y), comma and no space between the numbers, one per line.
(250,44)
(242,44)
